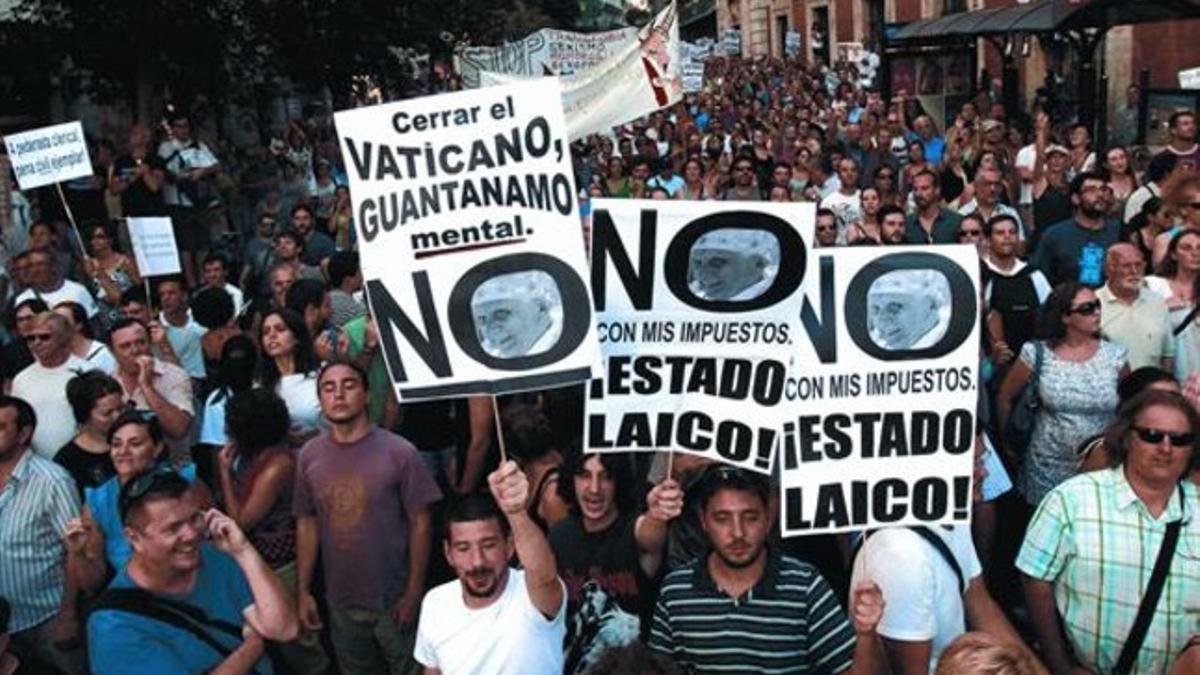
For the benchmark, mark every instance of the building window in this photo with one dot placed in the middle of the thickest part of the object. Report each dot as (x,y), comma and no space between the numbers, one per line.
(954,6)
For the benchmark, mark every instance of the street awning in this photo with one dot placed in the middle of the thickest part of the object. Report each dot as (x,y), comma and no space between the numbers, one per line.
(1043,16)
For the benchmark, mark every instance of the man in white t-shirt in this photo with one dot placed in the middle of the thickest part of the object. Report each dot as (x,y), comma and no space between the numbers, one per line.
(44,283)
(44,382)
(495,619)
(934,584)
(846,201)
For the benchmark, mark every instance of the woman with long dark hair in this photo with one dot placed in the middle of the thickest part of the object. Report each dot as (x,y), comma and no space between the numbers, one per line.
(1077,386)
(289,368)
(96,401)
(1177,282)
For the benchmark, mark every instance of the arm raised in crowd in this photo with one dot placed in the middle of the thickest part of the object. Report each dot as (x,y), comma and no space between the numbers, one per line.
(175,422)
(85,553)
(272,615)
(510,487)
(664,503)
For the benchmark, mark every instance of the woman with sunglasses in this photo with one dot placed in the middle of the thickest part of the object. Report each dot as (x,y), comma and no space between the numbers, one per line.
(111,271)
(136,445)
(1089,550)
(1077,387)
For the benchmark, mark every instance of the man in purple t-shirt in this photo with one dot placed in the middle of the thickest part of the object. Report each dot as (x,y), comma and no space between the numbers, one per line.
(362,494)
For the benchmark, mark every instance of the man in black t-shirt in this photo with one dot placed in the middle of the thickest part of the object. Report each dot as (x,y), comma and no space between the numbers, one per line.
(138,176)
(607,554)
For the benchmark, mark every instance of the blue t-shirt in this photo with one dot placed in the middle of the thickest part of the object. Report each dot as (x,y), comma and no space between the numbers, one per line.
(124,642)
(103,503)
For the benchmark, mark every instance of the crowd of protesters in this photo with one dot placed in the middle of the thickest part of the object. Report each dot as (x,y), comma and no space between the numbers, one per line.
(215,475)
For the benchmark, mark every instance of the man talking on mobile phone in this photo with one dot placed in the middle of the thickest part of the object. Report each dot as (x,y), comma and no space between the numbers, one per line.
(195,596)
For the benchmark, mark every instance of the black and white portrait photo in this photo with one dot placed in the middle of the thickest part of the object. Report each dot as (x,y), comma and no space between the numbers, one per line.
(908,309)
(733,264)
(517,314)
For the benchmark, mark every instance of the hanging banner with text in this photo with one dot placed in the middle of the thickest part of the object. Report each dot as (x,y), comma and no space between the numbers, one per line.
(48,155)
(642,78)
(884,396)
(468,228)
(548,51)
(697,313)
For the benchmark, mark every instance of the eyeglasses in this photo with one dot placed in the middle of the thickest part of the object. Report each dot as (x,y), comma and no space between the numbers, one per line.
(1154,436)
(39,337)
(140,486)
(1086,309)
(969,233)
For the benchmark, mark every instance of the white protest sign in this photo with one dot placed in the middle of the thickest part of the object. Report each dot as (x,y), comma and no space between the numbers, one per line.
(154,246)
(643,78)
(698,306)
(1190,78)
(693,76)
(883,431)
(792,43)
(49,155)
(732,42)
(468,228)
(548,51)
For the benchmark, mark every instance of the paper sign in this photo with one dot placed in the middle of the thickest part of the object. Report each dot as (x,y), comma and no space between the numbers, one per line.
(1189,79)
(154,246)
(883,431)
(698,308)
(49,155)
(468,227)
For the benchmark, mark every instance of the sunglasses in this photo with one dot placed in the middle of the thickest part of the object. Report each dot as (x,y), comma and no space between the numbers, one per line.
(969,233)
(38,337)
(1154,437)
(1086,309)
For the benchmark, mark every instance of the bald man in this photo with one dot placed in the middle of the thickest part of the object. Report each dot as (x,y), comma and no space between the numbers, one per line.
(1133,316)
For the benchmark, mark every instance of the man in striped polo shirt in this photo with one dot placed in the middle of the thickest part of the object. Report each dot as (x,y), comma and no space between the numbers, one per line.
(744,608)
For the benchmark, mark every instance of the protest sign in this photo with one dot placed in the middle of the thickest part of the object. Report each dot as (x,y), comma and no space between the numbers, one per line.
(643,78)
(468,227)
(1189,79)
(48,155)
(545,52)
(732,42)
(697,309)
(693,76)
(884,394)
(154,246)
(792,43)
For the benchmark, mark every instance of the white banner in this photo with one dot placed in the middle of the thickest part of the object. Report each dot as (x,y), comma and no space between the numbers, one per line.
(885,394)
(1189,79)
(49,155)
(693,76)
(465,209)
(548,51)
(641,79)
(792,42)
(697,313)
(154,246)
(732,42)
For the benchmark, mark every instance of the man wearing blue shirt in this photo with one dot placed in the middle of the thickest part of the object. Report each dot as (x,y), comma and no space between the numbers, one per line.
(182,604)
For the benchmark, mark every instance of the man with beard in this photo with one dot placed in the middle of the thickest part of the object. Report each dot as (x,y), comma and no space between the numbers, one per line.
(607,546)
(1073,250)
(183,604)
(362,495)
(932,223)
(891,225)
(1013,293)
(782,611)
(493,618)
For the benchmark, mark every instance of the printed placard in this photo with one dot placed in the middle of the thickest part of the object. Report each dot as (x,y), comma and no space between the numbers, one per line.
(48,155)
(465,209)
(884,394)
(154,247)
(697,311)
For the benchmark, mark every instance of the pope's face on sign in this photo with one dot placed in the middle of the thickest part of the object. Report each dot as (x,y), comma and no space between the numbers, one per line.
(904,308)
(722,274)
(509,327)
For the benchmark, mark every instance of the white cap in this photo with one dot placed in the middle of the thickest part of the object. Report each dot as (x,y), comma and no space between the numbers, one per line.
(929,283)
(756,243)
(533,285)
